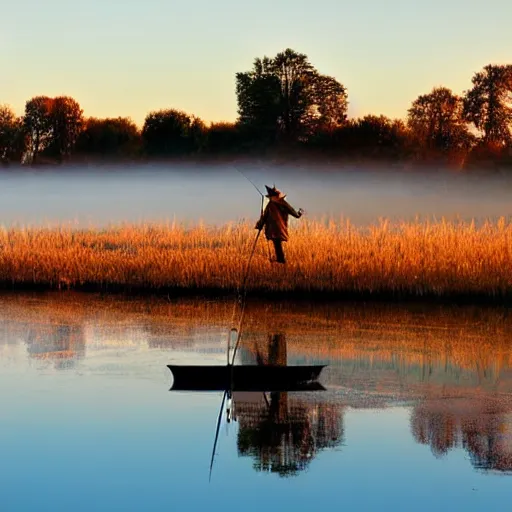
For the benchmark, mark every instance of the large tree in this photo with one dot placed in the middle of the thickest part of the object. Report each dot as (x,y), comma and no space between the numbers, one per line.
(285,95)
(436,121)
(488,104)
(11,135)
(259,101)
(296,79)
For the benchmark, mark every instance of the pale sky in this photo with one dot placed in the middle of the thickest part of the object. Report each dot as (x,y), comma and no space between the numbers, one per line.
(128,57)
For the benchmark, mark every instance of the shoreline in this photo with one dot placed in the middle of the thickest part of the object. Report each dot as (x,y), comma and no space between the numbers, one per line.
(260,294)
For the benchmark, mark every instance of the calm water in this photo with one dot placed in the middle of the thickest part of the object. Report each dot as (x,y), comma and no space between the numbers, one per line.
(100,195)
(416,413)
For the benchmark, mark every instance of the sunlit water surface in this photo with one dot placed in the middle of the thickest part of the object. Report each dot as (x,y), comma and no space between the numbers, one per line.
(416,415)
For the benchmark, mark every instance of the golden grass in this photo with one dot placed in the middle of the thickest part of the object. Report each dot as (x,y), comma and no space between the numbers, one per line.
(420,258)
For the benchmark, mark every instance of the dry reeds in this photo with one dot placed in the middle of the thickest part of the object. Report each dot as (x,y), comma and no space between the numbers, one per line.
(408,259)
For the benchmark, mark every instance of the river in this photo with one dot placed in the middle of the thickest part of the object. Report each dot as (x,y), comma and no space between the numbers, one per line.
(415,411)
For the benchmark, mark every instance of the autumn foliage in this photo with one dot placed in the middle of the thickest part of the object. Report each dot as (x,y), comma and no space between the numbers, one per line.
(284,104)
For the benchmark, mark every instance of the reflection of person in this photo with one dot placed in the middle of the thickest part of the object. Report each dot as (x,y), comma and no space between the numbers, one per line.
(283,434)
(275,220)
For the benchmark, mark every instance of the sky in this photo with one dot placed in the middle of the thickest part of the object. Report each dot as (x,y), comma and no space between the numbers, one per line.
(130,57)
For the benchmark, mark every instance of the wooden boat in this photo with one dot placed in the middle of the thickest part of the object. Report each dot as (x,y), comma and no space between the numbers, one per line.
(246,378)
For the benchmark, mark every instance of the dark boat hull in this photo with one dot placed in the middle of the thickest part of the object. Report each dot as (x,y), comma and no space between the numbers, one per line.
(246,378)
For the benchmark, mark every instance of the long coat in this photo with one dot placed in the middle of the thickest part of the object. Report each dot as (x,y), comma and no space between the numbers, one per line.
(275,219)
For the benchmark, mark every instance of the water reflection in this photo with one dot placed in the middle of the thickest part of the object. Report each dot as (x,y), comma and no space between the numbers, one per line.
(452,368)
(482,426)
(64,345)
(283,433)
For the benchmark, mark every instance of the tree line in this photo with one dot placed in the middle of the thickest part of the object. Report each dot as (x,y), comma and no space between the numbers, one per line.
(283,102)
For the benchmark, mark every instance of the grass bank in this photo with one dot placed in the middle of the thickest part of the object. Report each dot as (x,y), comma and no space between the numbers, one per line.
(442,260)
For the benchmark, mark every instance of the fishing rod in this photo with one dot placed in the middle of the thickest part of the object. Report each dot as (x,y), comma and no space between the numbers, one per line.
(262,201)
(249,180)
(241,299)
(254,185)
(217,433)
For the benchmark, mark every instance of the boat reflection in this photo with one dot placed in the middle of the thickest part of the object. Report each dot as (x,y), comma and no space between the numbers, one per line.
(282,431)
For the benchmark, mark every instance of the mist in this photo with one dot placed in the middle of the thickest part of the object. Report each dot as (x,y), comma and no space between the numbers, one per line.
(102,195)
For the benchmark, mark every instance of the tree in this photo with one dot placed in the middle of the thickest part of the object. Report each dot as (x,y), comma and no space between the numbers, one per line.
(38,124)
(437,123)
(223,137)
(296,79)
(109,137)
(172,132)
(52,125)
(258,96)
(488,105)
(330,100)
(286,96)
(66,125)
(11,135)
(369,137)
(198,134)
(379,134)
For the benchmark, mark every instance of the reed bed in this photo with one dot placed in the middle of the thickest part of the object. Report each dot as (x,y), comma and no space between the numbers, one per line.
(405,259)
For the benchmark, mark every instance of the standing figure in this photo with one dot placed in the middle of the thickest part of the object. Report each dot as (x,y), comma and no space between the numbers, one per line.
(275,220)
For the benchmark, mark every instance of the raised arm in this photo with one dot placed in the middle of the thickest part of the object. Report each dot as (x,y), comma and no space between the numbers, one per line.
(291,210)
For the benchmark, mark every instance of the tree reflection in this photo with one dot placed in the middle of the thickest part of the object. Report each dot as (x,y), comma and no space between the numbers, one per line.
(62,344)
(284,433)
(482,428)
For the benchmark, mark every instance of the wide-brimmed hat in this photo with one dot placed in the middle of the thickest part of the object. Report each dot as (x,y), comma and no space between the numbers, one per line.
(274,192)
